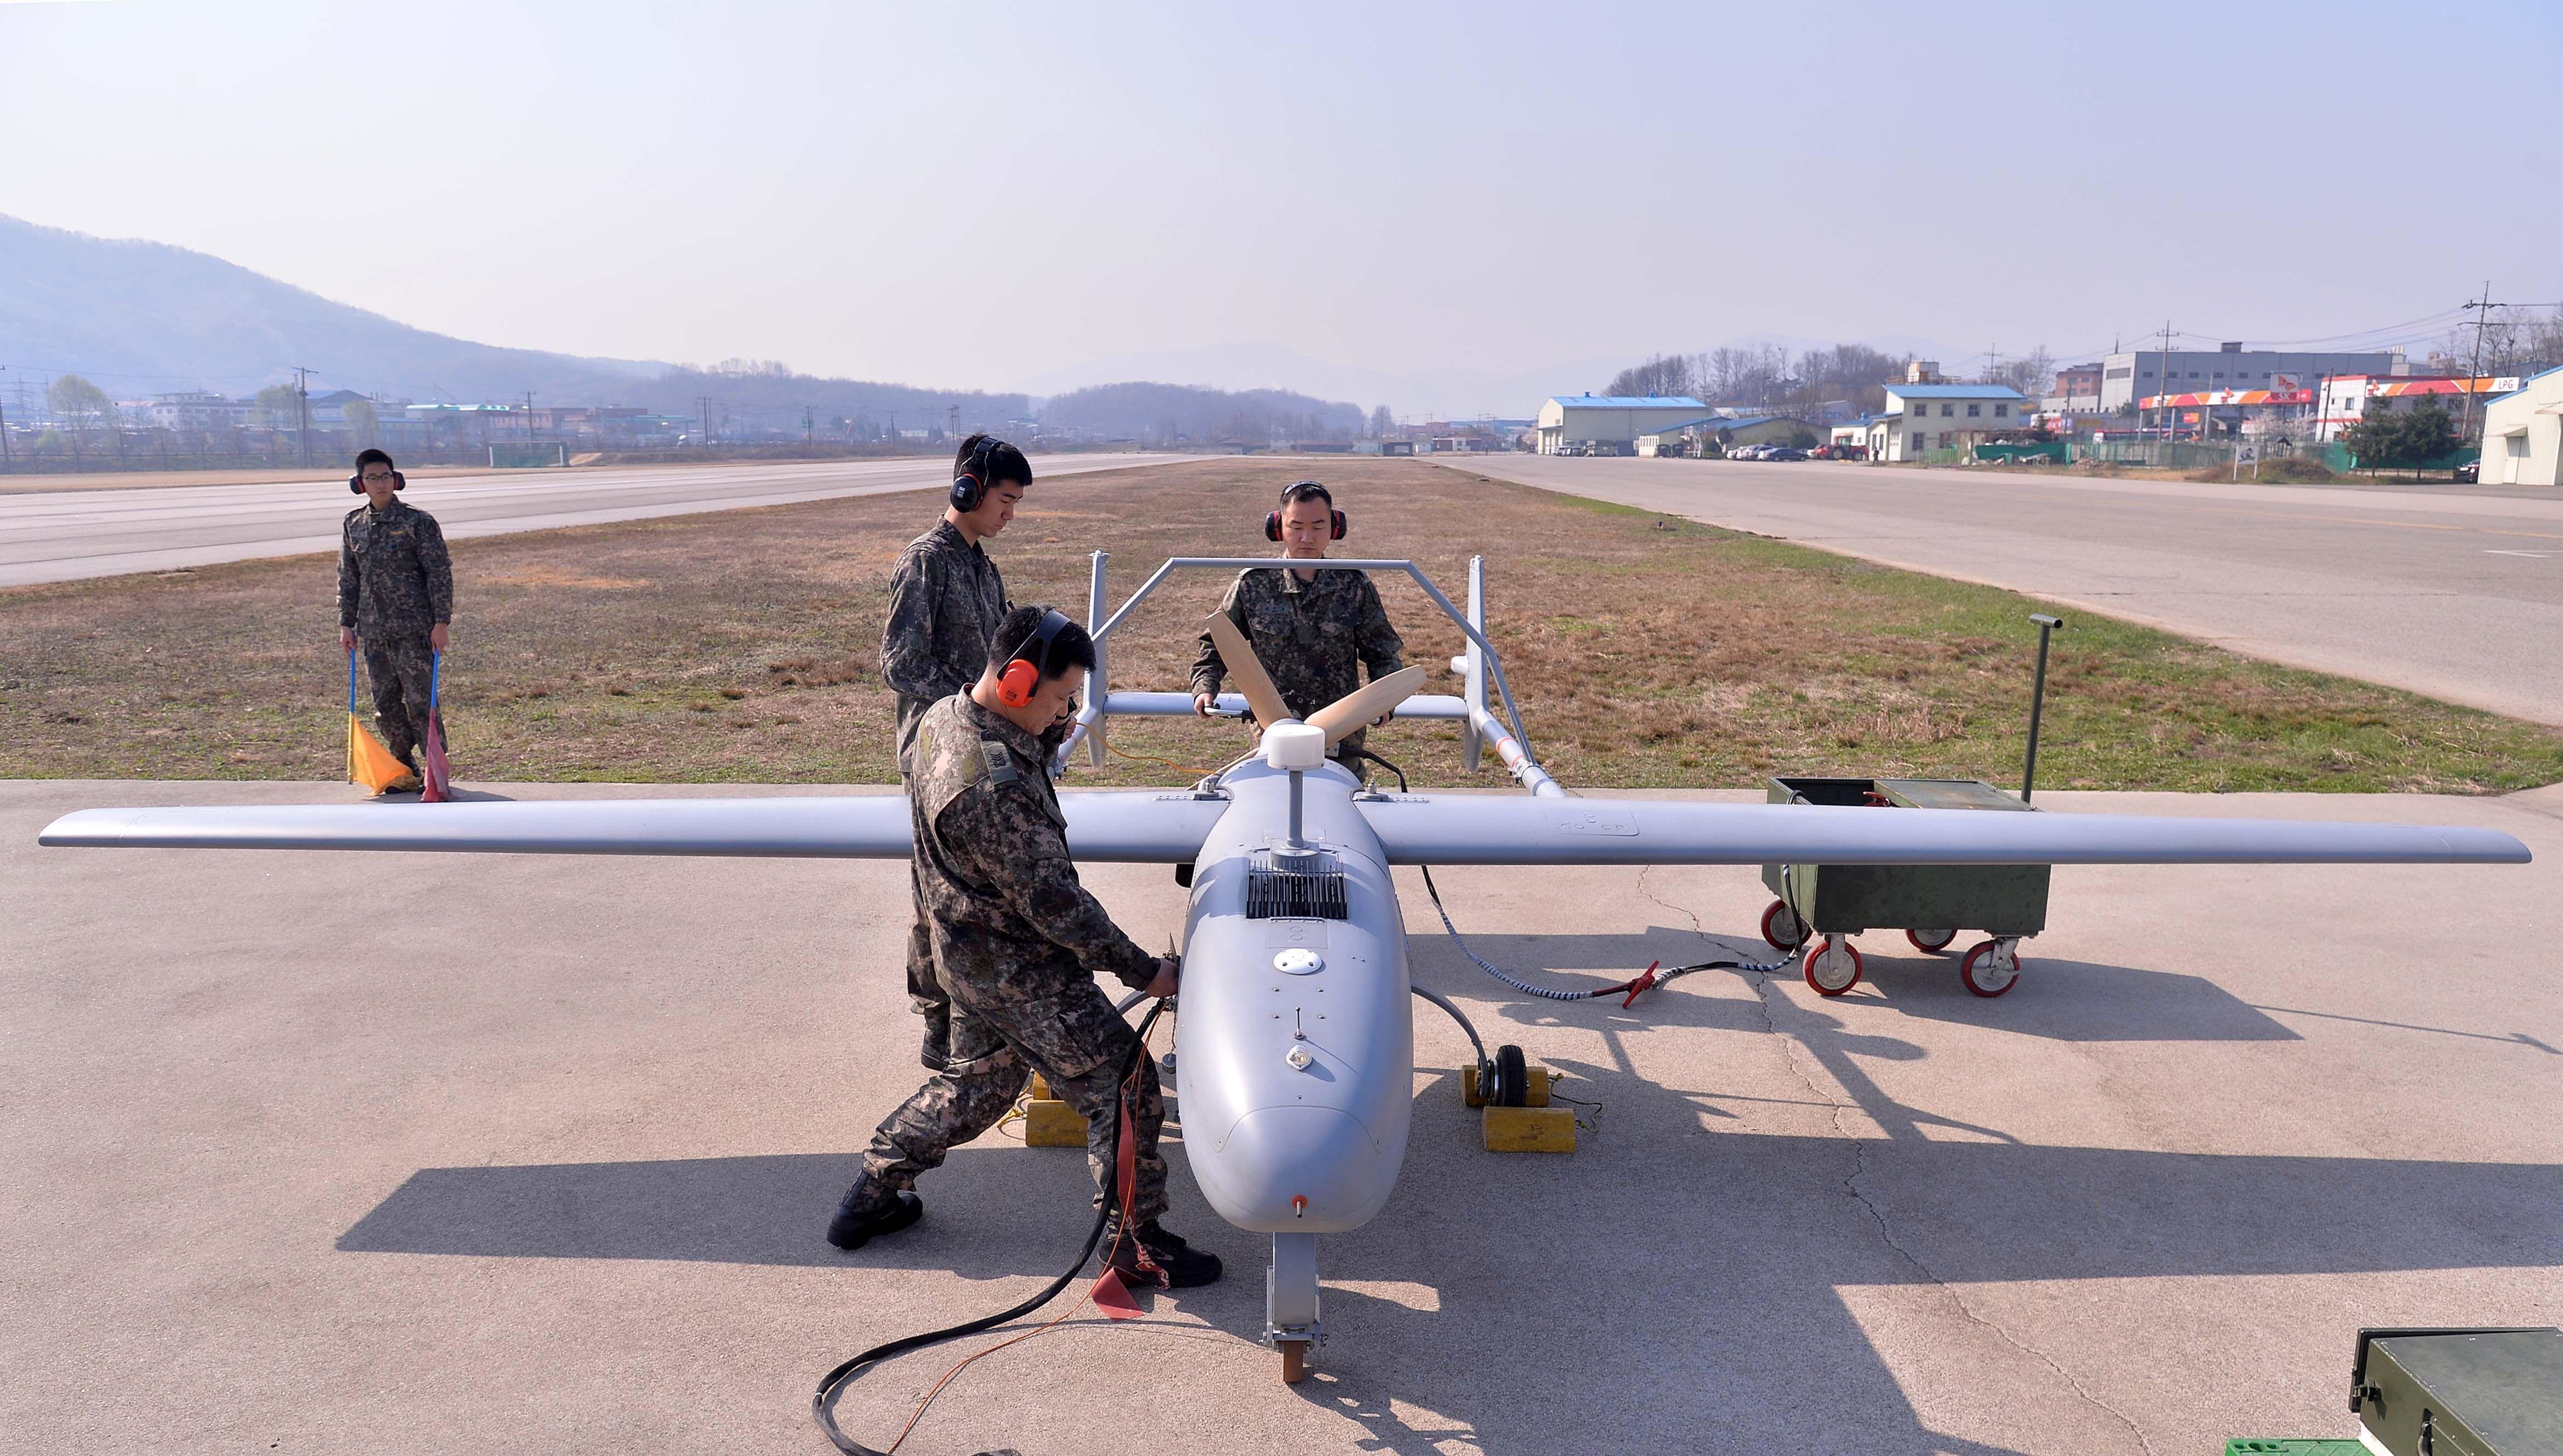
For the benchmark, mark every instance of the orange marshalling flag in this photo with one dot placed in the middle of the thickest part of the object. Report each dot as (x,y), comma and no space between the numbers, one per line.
(368,762)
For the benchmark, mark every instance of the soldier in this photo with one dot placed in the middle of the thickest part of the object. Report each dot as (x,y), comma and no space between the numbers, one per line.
(1314,631)
(1015,943)
(396,597)
(945,596)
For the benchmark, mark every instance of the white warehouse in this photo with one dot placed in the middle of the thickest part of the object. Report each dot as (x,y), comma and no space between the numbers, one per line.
(2522,439)
(1612,422)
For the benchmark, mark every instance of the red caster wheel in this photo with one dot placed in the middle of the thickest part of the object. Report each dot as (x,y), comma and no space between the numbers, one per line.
(1782,927)
(1930,942)
(1991,967)
(1833,967)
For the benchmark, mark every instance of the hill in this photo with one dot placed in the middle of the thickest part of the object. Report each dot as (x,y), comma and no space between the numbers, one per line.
(142,318)
(1165,413)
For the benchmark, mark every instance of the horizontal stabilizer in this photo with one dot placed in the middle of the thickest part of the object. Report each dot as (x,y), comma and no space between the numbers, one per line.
(1103,824)
(1470,829)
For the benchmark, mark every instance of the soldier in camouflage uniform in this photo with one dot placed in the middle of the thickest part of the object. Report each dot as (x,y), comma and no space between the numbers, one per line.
(1314,631)
(396,599)
(945,598)
(1017,943)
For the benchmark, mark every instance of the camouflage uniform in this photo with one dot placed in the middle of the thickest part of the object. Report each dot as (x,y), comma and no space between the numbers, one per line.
(945,601)
(1017,943)
(1312,636)
(395,581)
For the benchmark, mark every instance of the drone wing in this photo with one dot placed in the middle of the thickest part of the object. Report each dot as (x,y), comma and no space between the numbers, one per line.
(1473,830)
(1103,824)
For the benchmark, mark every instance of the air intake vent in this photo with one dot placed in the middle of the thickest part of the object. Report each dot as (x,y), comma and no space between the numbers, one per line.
(1295,894)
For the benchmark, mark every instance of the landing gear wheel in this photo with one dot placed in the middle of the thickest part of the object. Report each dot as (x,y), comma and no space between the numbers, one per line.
(1294,1360)
(1930,942)
(1512,1078)
(1782,927)
(1991,967)
(1833,967)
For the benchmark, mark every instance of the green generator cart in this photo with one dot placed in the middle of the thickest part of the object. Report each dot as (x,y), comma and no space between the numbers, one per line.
(1821,907)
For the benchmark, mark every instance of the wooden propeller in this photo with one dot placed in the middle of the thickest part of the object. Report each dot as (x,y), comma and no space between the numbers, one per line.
(1235,653)
(1356,709)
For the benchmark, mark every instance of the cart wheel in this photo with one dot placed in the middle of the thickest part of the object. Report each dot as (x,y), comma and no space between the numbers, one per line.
(1930,942)
(1833,967)
(1782,927)
(1512,1078)
(1991,967)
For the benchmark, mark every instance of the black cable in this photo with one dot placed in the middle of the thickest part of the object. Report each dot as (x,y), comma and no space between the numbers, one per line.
(822,1404)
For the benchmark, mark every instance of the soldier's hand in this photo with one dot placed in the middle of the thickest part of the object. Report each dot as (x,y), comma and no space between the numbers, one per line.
(1169,971)
(348,639)
(1202,702)
(438,635)
(1382,720)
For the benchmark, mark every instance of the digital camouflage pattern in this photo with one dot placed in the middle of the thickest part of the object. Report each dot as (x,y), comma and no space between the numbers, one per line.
(1015,943)
(945,601)
(394,577)
(1315,638)
(400,671)
(395,581)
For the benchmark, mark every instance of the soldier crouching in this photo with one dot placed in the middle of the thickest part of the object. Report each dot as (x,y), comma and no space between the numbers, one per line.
(1016,942)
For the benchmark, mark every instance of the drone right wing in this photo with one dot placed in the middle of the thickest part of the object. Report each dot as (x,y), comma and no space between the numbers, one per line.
(1525,830)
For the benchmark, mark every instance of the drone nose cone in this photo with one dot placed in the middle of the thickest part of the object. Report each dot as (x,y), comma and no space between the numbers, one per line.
(1312,1170)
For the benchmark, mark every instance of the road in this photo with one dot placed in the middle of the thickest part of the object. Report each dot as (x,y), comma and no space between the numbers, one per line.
(2450,591)
(537,1159)
(53,536)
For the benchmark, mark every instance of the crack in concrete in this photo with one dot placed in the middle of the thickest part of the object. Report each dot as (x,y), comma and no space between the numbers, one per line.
(1789,1056)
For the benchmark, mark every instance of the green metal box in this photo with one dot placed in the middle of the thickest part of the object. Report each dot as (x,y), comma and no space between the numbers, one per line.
(2461,1392)
(1845,899)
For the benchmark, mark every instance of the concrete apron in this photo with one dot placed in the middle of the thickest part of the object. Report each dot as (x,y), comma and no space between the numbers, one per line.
(314,1151)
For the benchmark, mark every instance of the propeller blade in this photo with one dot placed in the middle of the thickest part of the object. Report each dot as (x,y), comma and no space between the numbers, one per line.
(1356,709)
(1261,697)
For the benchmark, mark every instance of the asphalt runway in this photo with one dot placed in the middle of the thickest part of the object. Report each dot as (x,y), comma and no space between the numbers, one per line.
(64,535)
(461,1153)
(2449,590)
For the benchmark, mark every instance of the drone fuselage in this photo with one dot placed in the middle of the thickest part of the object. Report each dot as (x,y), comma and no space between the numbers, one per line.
(1296,1034)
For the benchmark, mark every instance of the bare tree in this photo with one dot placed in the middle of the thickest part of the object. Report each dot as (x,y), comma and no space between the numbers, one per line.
(1382,422)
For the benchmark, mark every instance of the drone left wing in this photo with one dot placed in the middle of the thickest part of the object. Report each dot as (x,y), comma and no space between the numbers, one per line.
(1523,830)
(1103,826)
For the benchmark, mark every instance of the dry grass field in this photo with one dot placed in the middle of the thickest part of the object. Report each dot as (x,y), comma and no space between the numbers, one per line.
(745,647)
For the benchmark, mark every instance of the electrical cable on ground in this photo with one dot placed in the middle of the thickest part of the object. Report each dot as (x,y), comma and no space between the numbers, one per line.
(822,1404)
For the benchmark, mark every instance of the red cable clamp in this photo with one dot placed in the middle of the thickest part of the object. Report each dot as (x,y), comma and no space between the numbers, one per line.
(1642,983)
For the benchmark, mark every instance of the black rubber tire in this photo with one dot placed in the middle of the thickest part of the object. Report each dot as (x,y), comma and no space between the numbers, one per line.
(1512,1078)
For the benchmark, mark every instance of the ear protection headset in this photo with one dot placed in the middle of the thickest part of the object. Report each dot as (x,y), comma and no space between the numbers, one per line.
(356,482)
(1273,518)
(1023,671)
(970,487)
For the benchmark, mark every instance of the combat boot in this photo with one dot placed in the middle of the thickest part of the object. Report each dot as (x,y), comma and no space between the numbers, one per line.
(1180,1264)
(870,1211)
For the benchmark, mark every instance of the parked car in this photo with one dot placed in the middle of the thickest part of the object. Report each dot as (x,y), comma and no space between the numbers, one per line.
(1782,452)
(2468,473)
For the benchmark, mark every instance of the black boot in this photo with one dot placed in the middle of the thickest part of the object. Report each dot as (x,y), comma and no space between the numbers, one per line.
(1178,1265)
(870,1211)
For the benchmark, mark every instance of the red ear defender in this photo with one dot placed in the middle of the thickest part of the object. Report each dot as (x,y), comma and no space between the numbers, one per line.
(1273,525)
(1015,685)
(1340,523)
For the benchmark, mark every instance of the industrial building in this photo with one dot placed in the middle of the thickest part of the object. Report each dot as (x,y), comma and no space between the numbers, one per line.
(1611,423)
(1927,416)
(2127,378)
(2523,434)
(2350,398)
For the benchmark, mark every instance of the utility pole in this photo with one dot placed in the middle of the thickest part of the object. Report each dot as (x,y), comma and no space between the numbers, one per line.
(954,428)
(2162,371)
(5,463)
(2483,322)
(805,424)
(704,404)
(529,417)
(302,407)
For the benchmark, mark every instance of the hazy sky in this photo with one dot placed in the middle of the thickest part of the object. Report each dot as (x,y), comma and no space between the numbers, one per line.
(979,195)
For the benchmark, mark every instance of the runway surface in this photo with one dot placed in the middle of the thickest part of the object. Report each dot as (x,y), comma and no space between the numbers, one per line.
(461,1153)
(64,535)
(2453,591)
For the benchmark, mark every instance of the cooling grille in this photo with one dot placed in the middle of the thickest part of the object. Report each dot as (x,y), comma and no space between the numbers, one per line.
(1293,895)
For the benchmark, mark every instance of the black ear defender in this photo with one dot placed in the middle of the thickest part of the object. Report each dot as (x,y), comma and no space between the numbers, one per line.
(1272,519)
(970,487)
